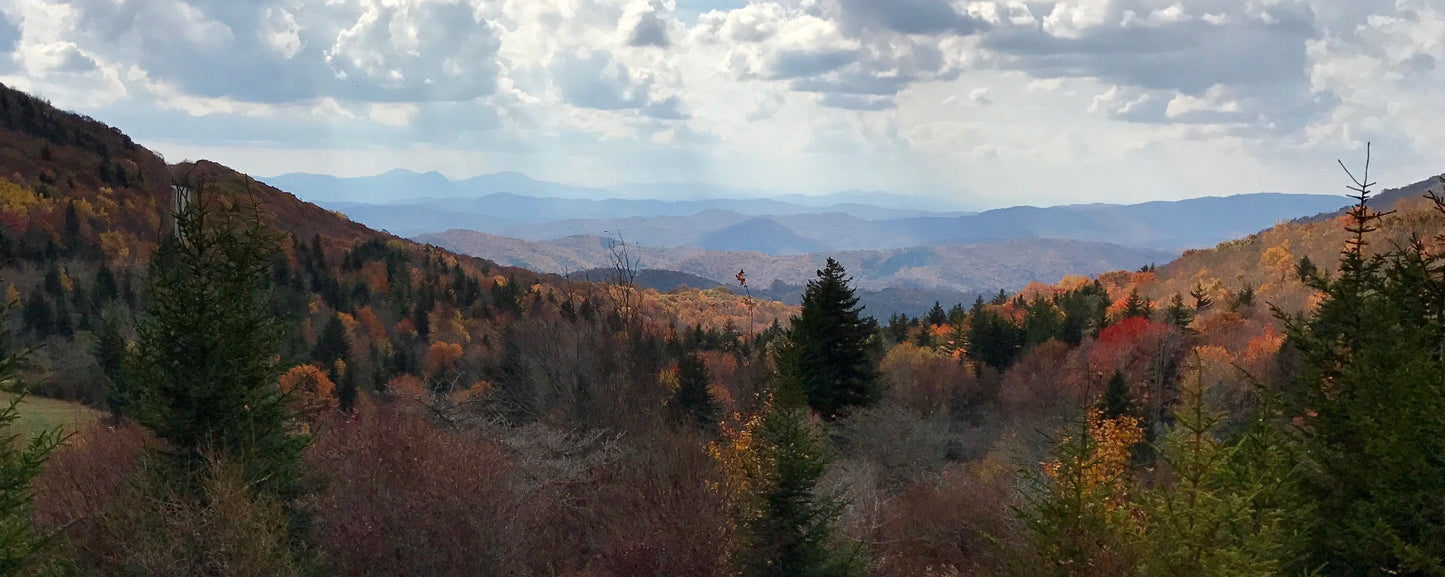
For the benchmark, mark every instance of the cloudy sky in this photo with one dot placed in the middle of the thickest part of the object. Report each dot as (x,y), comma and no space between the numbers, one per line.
(988,102)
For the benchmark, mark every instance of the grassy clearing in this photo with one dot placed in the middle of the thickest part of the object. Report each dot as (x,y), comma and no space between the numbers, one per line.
(39,414)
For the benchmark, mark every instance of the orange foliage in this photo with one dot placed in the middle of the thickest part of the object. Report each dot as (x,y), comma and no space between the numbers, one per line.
(441,356)
(371,324)
(311,391)
(1266,344)
(1037,289)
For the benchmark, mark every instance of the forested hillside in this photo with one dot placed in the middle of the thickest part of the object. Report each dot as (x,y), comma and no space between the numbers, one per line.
(291,393)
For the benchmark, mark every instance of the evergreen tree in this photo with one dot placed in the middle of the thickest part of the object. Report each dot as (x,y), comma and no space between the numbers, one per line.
(830,350)
(106,289)
(1202,302)
(897,330)
(1042,321)
(38,316)
(1372,386)
(1177,313)
(109,351)
(1306,269)
(203,374)
(992,339)
(332,345)
(347,391)
(21,461)
(692,400)
(957,314)
(1136,306)
(1242,299)
(936,315)
(791,534)
(1117,400)
(1219,516)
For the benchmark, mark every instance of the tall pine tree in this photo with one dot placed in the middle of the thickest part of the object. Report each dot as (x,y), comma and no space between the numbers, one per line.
(830,349)
(203,374)
(1371,389)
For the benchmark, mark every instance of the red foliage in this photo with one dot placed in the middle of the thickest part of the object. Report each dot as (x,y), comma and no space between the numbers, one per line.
(1124,331)
(406,498)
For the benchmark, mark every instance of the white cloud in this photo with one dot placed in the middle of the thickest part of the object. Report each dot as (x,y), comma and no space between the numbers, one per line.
(398,115)
(813,94)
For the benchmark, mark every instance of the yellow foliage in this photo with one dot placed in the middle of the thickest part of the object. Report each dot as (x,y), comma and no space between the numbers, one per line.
(17,200)
(1113,443)
(348,322)
(12,296)
(113,244)
(741,464)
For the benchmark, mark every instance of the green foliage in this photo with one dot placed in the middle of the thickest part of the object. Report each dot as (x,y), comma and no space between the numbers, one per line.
(936,315)
(332,345)
(1211,520)
(692,400)
(831,350)
(21,460)
(1073,524)
(993,340)
(1117,400)
(203,374)
(1371,386)
(792,534)
(110,351)
(1177,313)
(1242,299)
(1136,306)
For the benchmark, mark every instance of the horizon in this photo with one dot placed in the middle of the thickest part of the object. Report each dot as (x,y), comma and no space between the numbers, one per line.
(744,194)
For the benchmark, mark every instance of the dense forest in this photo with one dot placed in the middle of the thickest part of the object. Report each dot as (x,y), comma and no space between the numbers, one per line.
(291,393)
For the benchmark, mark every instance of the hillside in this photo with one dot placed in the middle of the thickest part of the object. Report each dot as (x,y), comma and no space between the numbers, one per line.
(83,209)
(1266,261)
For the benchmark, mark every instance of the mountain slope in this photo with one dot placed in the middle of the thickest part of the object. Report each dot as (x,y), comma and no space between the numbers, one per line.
(763,235)
(84,208)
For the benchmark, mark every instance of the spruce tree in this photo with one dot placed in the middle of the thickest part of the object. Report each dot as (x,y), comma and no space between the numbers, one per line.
(21,461)
(830,349)
(203,373)
(1136,306)
(791,534)
(1177,313)
(1371,387)
(1117,401)
(936,315)
(693,401)
(109,351)
(332,345)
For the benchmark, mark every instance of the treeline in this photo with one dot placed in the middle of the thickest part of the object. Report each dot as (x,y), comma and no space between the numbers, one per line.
(293,406)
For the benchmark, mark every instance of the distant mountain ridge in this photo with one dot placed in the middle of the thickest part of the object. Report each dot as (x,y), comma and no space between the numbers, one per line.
(962,268)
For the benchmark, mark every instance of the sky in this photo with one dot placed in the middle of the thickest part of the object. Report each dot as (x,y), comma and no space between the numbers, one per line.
(985,103)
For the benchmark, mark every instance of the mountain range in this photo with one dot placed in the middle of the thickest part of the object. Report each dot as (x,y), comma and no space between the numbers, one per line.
(513,205)
(963,268)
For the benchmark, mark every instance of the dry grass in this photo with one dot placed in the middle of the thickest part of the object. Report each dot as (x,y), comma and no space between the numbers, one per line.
(39,414)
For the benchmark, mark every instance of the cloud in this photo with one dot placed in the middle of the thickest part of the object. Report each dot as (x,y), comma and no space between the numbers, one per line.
(643,26)
(391,114)
(805,63)
(723,86)
(598,81)
(909,16)
(856,102)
